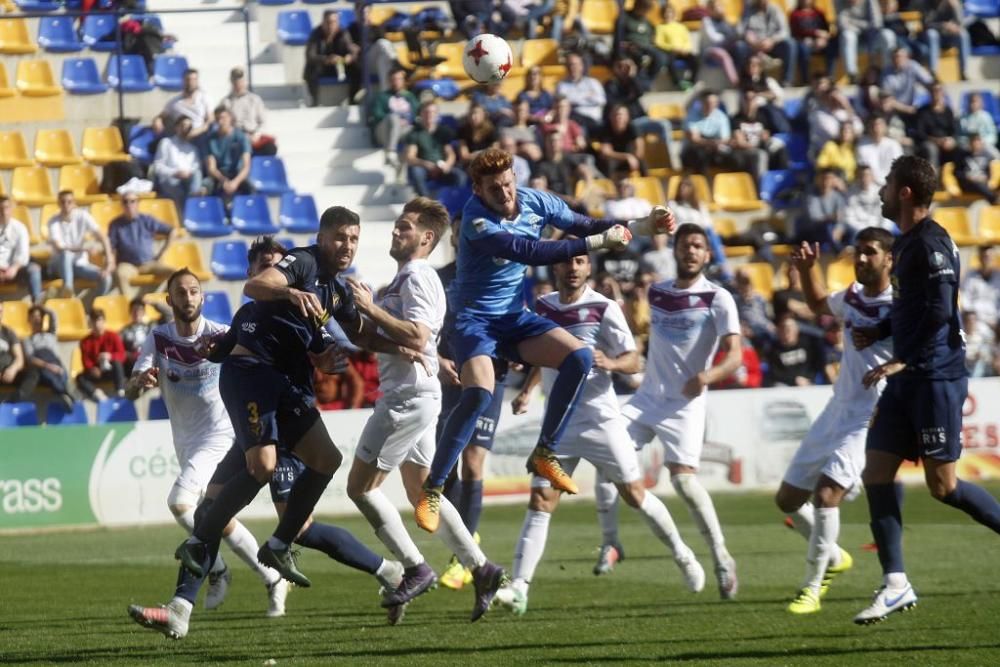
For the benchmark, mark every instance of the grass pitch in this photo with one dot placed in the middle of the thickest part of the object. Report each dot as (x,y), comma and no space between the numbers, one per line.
(63,599)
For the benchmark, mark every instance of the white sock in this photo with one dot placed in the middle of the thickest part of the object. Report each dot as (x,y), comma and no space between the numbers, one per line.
(186,521)
(606,495)
(822,545)
(530,546)
(703,511)
(895,580)
(389,573)
(384,518)
(457,537)
(181,605)
(658,519)
(803,519)
(244,545)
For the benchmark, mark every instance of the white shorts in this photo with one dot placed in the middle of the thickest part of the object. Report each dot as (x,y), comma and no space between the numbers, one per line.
(834,447)
(678,423)
(401,429)
(197,464)
(604,444)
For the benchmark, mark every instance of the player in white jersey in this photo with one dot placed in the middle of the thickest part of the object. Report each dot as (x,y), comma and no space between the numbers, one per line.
(829,461)
(597,433)
(201,428)
(400,433)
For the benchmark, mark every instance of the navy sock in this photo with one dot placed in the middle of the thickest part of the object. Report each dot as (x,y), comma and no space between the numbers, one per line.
(453,489)
(564,396)
(302,500)
(887,526)
(341,546)
(977,503)
(457,433)
(235,495)
(189,584)
(470,505)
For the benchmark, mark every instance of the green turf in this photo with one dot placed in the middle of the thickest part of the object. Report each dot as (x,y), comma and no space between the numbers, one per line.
(63,599)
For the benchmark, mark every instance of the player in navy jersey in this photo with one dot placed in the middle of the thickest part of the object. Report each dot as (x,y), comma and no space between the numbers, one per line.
(919,415)
(501,234)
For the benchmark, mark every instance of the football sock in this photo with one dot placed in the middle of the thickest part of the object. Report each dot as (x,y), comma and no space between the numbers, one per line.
(244,545)
(531,545)
(383,516)
(886,525)
(235,495)
(822,545)
(189,584)
(453,489)
(564,396)
(976,502)
(301,500)
(606,497)
(703,511)
(803,519)
(470,504)
(457,432)
(341,546)
(658,519)
(185,520)
(457,537)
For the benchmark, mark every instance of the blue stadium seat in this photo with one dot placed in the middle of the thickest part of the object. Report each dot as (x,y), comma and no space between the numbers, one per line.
(446,88)
(96,31)
(267,175)
(140,138)
(168,72)
(217,307)
(38,5)
(983,8)
(205,216)
(57,415)
(275,3)
(793,106)
(775,182)
(294,27)
(454,198)
(157,409)
(57,34)
(347,18)
(990,103)
(133,73)
(318,2)
(81,77)
(112,410)
(229,260)
(798,150)
(18,414)
(298,214)
(251,215)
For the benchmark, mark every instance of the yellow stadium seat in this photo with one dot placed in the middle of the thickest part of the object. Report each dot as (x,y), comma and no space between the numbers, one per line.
(71,318)
(726,228)
(115,307)
(955,219)
(657,157)
(35,79)
(163,210)
(76,363)
(544,53)
(14,39)
(5,88)
(733,10)
(15,316)
(82,180)
(452,67)
(650,189)
(54,148)
(700,188)
(840,273)
(736,192)
(666,111)
(605,186)
(31,186)
(995,174)
(49,211)
(105,211)
(22,214)
(13,151)
(599,16)
(102,145)
(989,223)
(761,275)
(178,254)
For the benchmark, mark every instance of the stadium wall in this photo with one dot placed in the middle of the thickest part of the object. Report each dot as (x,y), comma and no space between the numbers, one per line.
(119,474)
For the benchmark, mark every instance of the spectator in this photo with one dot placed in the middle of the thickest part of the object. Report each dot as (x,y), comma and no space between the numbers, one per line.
(674,40)
(839,155)
(634,36)
(69,230)
(177,166)
(560,170)
(753,130)
(764,29)
(707,133)
(903,33)
(718,40)
(864,206)
(859,23)
(191,103)
(41,351)
(768,94)
(498,108)
(979,351)
(429,155)
(15,256)
(828,110)
(626,205)
(625,87)
(944,25)
(567,12)
(539,100)
(131,235)
(824,211)
(747,376)
(522,15)
(523,132)
(980,122)
(606,285)
(621,147)
(521,168)
(560,118)
(897,127)
(227,164)
(973,170)
(660,258)
(900,81)
(366,365)
(793,360)
(638,316)
(392,115)
(753,310)
(476,133)
(791,299)
(623,265)
(330,52)
(344,391)
(980,293)
(809,27)
(137,330)
(936,129)
(878,150)
(688,208)
(248,113)
(14,371)
(585,94)
(103,356)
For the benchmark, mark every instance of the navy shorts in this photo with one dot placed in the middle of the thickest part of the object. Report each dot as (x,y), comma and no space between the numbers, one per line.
(495,335)
(916,418)
(264,405)
(285,473)
(486,425)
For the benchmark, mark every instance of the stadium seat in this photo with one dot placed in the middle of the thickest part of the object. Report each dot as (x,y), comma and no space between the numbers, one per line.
(775,183)
(275,3)
(298,214)
(229,260)
(657,157)
(102,145)
(991,104)
(14,38)
(267,175)
(15,316)
(251,216)
(5,88)
(13,415)
(112,410)
(103,212)
(599,16)
(649,188)
(57,415)
(98,32)
(205,216)
(39,5)
(130,71)
(726,228)
(13,150)
(955,219)
(217,307)
(31,186)
(989,223)
(35,79)
(797,145)
(157,410)
(286,242)
(666,111)
(116,310)
(541,52)
(71,317)
(140,138)
(81,77)
(294,27)
(700,187)
(57,34)
(454,198)
(168,72)
(761,275)
(82,180)
(444,88)
(982,8)
(840,273)
(54,148)
(451,67)
(178,254)
(163,210)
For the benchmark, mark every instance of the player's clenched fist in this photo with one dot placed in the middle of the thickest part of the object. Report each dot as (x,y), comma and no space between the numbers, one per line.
(614,238)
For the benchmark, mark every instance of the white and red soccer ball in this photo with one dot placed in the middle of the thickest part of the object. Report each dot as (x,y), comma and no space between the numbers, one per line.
(487,58)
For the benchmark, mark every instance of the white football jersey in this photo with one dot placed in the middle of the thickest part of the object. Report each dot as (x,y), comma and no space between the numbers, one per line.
(853,309)
(414,295)
(189,384)
(685,327)
(600,324)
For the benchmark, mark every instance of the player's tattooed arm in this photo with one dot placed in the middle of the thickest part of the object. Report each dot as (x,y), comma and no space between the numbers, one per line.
(520,403)
(805,259)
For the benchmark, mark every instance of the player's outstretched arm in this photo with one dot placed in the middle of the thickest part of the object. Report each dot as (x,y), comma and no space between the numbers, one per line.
(544,252)
(806,260)
(272,285)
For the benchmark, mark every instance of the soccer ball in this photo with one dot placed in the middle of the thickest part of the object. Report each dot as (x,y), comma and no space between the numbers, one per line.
(487,58)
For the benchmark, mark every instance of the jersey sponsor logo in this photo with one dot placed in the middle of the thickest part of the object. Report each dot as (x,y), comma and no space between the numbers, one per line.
(934,435)
(249,327)
(286,261)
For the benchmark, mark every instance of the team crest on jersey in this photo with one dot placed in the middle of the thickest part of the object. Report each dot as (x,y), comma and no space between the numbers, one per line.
(286,261)
(937,260)
(479,224)
(583,314)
